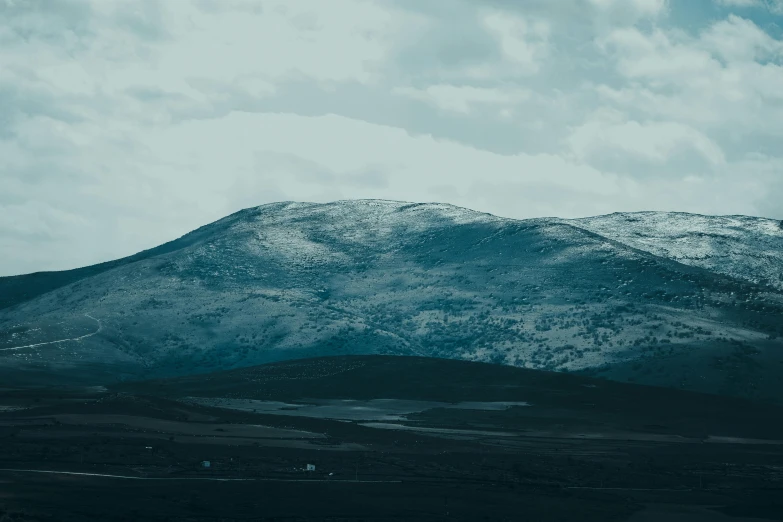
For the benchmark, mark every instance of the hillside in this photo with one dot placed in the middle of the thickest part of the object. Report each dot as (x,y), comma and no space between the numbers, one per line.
(292,280)
(737,246)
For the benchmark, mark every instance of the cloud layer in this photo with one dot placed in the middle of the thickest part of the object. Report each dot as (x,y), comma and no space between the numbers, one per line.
(128,123)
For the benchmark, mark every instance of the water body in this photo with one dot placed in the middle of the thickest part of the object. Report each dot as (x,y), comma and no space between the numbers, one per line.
(348,409)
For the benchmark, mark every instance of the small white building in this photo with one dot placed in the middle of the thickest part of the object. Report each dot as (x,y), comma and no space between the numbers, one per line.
(310,467)
(206,464)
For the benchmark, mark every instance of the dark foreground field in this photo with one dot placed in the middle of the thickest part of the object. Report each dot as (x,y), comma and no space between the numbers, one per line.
(391,438)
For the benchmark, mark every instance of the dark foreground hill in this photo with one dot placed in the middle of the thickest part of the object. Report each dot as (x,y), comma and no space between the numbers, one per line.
(390,438)
(294,280)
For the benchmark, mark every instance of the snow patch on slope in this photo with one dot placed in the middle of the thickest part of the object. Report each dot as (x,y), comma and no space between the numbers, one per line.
(742,247)
(308,234)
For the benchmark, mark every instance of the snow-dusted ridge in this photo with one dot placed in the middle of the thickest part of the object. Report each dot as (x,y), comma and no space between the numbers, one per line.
(286,229)
(289,280)
(743,247)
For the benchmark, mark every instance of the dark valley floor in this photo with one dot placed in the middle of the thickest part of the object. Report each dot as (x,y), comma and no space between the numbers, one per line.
(390,438)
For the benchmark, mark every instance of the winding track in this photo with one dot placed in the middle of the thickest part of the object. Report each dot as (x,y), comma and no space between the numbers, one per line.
(100,327)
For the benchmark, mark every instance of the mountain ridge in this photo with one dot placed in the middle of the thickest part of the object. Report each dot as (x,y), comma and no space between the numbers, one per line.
(37,283)
(754,246)
(291,280)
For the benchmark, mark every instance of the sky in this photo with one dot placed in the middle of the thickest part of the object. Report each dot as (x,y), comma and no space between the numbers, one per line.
(126,124)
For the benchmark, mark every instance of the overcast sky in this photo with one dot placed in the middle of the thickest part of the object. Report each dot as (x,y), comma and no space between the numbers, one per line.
(125,124)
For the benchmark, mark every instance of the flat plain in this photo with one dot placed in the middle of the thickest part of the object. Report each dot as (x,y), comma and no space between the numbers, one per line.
(391,438)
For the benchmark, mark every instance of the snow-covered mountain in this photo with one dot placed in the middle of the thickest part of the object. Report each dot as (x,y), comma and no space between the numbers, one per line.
(290,280)
(737,246)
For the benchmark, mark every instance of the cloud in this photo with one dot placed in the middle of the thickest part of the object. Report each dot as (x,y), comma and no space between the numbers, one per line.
(638,8)
(523,44)
(773,6)
(722,81)
(124,124)
(316,159)
(612,142)
(738,40)
(331,41)
(464,98)
(740,3)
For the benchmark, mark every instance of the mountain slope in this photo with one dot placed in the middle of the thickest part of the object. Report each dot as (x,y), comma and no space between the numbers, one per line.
(737,246)
(291,280)
(21,288)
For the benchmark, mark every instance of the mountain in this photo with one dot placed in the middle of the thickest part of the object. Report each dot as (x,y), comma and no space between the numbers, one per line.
(292,280)
(742,247)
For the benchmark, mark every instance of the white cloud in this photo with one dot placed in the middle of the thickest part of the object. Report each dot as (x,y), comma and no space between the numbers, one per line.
(464,98)
(738,40)
(524,44)
(654,142)
(126,124)
(740,3)
(773,6)
(335,41)
(343,146)
(658,58)
(724,81)
(639,7)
